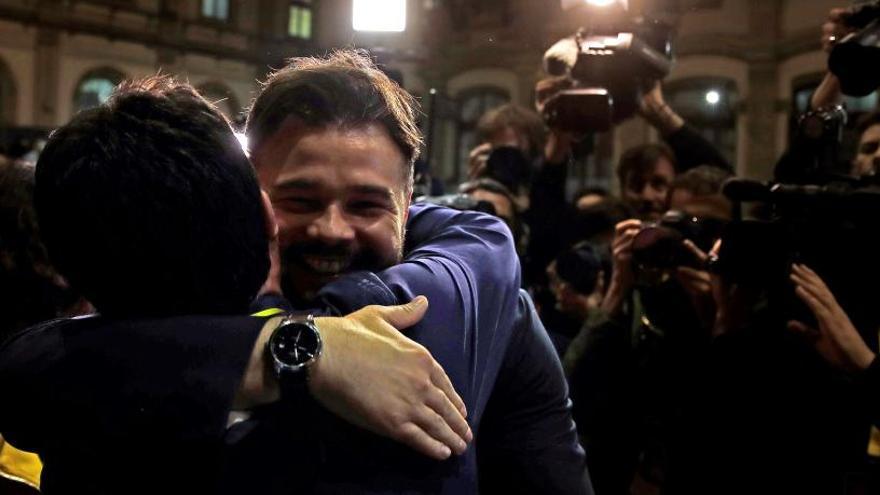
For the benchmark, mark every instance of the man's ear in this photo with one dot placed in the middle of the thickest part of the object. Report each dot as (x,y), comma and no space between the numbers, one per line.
(269,216)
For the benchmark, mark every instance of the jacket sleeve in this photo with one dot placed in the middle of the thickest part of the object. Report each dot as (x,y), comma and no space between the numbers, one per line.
(692,150)
(528,441)
(466,265)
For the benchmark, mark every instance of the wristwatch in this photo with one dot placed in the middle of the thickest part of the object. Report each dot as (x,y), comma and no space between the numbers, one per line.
(294,346)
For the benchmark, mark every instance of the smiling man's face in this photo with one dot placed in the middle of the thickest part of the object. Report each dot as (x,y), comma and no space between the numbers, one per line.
(340,199)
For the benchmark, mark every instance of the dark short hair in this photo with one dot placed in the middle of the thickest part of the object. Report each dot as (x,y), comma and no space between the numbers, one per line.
(866,121)
(641,160)
(149,206)
(344,89)
(517,117)
(704,180)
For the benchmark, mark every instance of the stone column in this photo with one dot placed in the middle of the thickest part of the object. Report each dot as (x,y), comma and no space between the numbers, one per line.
(47,61)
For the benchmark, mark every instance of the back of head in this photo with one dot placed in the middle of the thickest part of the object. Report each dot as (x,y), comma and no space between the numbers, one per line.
(704,180)
(345,89)
(148,205)
(523,121)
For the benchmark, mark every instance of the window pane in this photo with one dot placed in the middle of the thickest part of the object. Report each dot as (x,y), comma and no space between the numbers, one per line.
(215,9)
(93,91)
(300,22)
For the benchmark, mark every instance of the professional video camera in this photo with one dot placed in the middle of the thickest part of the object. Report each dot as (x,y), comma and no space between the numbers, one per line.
(830,227)
(606,68)
(855,59)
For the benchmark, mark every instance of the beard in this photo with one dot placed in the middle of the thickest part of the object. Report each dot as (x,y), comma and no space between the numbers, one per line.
(308,266)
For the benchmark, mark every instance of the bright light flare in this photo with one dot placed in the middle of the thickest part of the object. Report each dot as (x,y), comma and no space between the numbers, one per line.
(601,3)
(379,15)
(713,97)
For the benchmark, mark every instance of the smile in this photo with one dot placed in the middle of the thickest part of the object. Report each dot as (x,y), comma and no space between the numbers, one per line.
(326,264)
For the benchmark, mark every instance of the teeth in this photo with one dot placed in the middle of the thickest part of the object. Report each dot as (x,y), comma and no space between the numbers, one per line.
(326,265)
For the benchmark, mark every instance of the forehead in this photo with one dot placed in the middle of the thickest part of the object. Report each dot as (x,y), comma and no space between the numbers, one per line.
(662,167)
(333,155)
(871,134)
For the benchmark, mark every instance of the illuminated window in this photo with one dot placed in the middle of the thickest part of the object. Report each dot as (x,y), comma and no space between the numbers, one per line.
(215,9)
(710,105)
(379,15)
(299,21)
(95,88)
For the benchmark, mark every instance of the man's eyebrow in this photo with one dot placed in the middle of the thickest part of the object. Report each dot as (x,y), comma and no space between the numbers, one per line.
(367,189)
(295,184)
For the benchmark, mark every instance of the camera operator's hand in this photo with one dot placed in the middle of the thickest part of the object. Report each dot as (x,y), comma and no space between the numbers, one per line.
(622,276)
(477,160)
(698,284)
(837,340)
(653,108)
(828,93)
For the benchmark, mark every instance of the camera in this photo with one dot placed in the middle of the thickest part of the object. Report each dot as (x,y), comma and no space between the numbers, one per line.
(830,227)
(855,59)
(658,247)
(606,69)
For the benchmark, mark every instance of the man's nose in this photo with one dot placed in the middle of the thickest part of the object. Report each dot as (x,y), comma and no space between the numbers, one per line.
(331,226)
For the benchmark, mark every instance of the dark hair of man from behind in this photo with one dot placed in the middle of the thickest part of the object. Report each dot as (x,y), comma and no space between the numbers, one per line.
(344,89)
(704,180)
(149,206)
(867,121)
(641,160)
(525,121)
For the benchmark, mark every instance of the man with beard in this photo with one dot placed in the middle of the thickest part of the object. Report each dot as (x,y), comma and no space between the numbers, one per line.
(333,142)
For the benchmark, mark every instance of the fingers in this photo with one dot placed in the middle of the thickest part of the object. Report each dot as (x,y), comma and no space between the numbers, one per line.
(809,280)
(416,438)
(701,256)
(437,428)
(626,225)
(802,329)
(451,416)
(441,381)
(819,310)
(405,315)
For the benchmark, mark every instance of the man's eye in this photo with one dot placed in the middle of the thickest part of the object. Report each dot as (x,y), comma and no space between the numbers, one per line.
(366,205)
(869,148)
(297,204)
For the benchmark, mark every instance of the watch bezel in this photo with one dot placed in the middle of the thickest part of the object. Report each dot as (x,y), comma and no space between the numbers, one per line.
(306,322)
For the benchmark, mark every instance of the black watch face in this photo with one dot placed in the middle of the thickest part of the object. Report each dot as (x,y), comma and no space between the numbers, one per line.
(295,344)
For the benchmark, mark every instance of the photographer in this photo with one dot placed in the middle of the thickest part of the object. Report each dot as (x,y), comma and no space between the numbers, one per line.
(814,151)
(632,371)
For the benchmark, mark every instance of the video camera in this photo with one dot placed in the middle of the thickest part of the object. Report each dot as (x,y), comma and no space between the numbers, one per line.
(831,227)
(605,70)
(855,59)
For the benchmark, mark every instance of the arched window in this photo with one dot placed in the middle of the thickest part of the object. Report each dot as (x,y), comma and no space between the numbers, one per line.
(801,92)
(710,104)
(220,95)
(472,104)
(95,87)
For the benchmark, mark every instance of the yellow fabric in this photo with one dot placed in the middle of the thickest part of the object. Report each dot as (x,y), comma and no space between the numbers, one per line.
(268,312)
(19,465)
(874,443)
